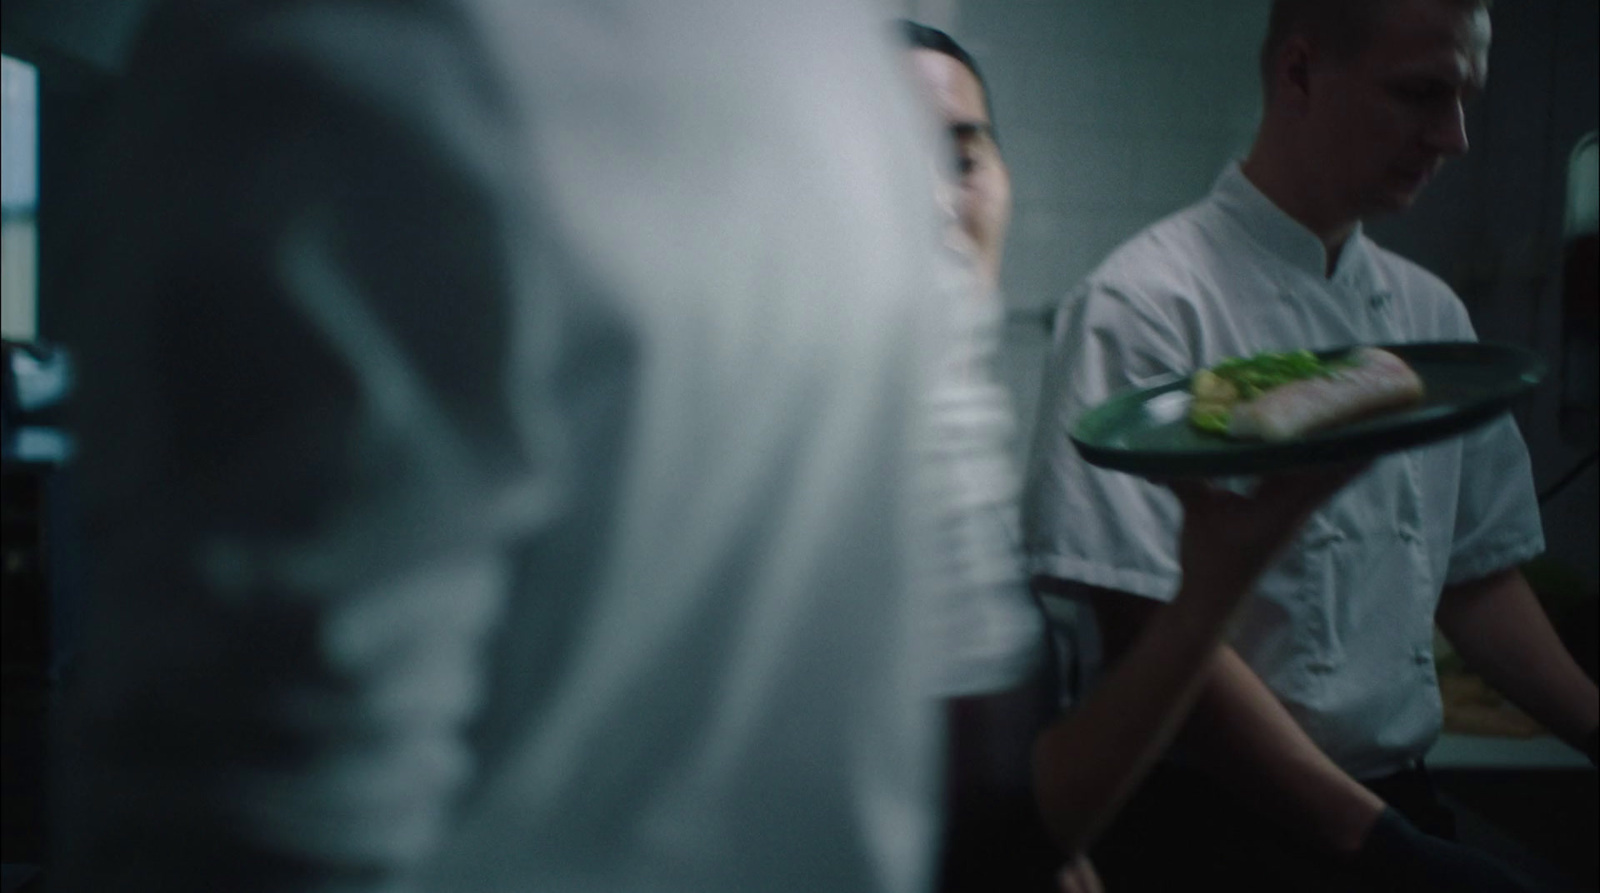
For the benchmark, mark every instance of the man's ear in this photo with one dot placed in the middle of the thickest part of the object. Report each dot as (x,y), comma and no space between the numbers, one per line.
(1292,72)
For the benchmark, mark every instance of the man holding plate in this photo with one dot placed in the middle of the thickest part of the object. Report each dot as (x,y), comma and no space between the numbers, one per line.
(1301,763)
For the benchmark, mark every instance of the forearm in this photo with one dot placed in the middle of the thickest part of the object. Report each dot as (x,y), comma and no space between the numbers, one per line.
(1243,736)
(1498,626)
(1089,761)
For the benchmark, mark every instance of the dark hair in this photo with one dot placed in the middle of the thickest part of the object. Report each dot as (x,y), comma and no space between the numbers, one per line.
(1341,27)
(920,37)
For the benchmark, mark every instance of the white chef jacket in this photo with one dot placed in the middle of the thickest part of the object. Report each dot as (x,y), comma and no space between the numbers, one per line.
(1340,628)
(990,635)
(507,433)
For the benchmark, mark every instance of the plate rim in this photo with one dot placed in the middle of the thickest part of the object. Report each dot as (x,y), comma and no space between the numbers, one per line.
(1319,449)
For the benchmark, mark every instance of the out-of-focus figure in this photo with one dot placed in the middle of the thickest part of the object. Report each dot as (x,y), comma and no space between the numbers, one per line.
(979,199)
(507,435)
(995,683)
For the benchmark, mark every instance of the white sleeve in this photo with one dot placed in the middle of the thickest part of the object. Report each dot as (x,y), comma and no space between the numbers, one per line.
(305,452)
(1497,511)
(1084,524)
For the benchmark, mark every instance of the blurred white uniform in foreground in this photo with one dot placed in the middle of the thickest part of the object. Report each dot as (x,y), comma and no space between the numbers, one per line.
(507,427)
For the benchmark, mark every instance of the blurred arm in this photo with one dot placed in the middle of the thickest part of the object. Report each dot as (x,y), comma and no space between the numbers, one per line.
(1090,760)
(1244,737)
(1166,658)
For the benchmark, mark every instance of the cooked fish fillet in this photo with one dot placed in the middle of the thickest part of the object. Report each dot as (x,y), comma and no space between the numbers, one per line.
(1375,381)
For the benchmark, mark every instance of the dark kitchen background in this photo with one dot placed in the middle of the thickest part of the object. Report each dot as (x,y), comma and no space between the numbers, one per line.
(1112,113)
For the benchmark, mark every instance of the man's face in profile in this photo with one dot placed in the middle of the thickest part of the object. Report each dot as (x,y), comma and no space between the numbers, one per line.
(1391,116)
(983,197)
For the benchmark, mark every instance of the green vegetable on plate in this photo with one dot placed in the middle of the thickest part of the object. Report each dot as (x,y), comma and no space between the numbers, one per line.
(1239,379)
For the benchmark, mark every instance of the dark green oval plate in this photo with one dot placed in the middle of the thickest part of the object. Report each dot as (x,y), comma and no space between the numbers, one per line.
(1147,431)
